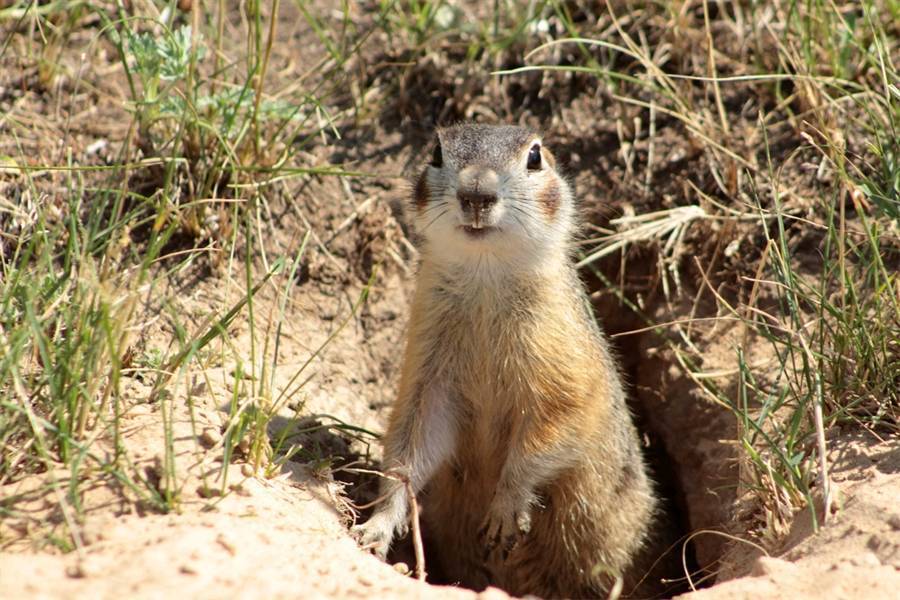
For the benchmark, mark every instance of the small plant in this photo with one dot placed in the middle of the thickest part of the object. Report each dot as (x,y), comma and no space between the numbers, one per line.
(159,61)
(69,292)
(205,129)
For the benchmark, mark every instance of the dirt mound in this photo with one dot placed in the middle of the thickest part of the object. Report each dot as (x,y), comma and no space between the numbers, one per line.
(856,554)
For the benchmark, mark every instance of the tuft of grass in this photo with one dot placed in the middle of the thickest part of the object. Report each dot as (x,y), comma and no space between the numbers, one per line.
(69,294)
(832,326)
(210,121)
(89,249)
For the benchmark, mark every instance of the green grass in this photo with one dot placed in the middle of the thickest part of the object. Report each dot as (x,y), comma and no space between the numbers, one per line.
(206,145)
(214,135)
(833,328)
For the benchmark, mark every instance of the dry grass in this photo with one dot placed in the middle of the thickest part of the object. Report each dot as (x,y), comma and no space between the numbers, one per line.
(754,146)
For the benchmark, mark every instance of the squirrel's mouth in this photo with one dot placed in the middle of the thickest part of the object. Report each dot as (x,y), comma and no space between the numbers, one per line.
(477,232)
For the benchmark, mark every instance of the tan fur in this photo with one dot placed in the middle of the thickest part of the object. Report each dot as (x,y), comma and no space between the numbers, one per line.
(511,421)
(549,158)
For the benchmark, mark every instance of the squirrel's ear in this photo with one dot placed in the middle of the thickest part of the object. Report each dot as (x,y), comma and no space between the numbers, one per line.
(437,156)
(548,157)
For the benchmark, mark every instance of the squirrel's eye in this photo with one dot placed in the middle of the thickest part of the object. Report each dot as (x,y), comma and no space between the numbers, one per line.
(437,157)
(534,158)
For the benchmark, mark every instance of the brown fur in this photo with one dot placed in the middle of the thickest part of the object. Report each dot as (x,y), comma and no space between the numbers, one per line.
(539,381)
(510,421)
(420,192)
(549,198)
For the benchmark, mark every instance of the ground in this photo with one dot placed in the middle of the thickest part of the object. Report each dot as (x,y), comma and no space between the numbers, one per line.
(318,346)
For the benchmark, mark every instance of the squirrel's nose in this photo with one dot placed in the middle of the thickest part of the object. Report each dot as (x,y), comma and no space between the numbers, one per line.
(476,201)
(477,187)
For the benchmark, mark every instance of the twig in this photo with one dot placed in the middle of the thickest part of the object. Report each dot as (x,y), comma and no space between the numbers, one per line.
(651,139)
(713,531)
(416,531)
(819,420)
(349,220)
(418,547)
(712,69)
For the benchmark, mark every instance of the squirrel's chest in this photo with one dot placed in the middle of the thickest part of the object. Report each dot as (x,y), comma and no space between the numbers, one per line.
(491,375)
(488,349)
(489,359)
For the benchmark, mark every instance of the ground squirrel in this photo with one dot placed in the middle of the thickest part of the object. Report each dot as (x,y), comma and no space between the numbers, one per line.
(511,423)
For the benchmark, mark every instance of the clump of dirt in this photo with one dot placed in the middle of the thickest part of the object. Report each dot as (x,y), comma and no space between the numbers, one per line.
(280,536)
(855,554)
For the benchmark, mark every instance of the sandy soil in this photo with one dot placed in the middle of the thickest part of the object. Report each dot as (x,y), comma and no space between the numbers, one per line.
(856,554)
(286,535)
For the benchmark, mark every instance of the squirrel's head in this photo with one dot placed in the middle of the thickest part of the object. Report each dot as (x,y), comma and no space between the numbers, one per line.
(492,192)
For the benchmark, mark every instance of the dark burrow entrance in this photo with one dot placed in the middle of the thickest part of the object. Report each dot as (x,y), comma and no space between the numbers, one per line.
(679,553)
(686,437)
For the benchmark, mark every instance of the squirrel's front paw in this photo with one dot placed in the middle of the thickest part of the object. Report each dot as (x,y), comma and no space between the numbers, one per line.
(376,535)
(503,528)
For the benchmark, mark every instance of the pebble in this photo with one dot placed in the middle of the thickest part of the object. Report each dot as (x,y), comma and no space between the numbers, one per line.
(865,559)
(75,571)
(208,492)
(85,568)
(210,437)
(768,566)
(894,522)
